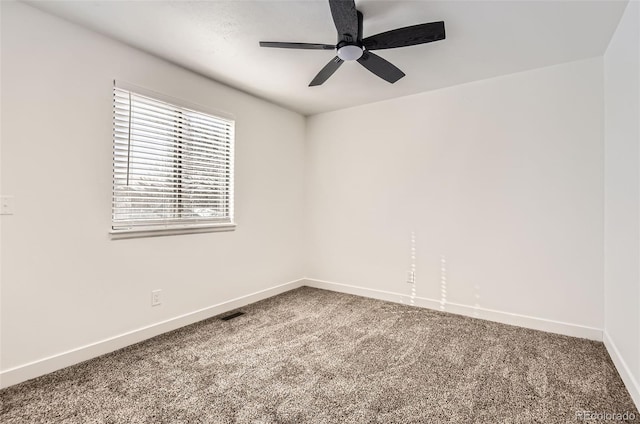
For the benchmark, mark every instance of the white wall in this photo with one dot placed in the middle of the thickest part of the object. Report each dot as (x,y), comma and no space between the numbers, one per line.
(622,197)
(502,178)
(65,284)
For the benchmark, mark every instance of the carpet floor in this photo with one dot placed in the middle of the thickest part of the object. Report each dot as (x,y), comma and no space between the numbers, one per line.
(314,356)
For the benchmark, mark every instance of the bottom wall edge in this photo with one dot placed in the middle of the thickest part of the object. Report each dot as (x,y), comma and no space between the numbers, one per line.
(53,363)
(535,323)
(623,369)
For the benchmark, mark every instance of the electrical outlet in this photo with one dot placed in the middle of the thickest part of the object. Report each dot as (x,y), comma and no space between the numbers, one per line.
(156,298)
(411,277)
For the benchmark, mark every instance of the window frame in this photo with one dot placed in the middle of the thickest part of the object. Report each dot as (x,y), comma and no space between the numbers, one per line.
(175,228)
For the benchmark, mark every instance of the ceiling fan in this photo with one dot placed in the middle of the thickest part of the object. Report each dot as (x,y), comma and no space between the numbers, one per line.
(351,45)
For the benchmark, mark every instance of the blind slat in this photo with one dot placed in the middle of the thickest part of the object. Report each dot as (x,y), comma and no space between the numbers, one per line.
(162,199)
(136,180)
(123,123)
(155,191)
(172,114)
(181,223)
(161,167)
(150,147)
(121,99)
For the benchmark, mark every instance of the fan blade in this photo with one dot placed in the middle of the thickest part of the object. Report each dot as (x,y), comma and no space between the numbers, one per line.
(407,36)
(327,71)
(345,17)
(306,46)
(380,67)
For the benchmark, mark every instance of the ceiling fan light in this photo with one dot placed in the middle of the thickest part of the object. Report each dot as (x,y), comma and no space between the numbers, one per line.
(350,52)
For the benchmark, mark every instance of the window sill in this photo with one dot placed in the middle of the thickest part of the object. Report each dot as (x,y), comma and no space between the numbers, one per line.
(169,231)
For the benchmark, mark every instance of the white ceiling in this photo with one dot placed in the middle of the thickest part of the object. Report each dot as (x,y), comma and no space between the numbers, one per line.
(219,39)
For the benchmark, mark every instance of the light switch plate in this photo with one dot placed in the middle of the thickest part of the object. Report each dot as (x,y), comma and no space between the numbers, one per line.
(156,298)
(6,205)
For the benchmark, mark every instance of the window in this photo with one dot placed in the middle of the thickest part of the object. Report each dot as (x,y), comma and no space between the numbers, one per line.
(172,166)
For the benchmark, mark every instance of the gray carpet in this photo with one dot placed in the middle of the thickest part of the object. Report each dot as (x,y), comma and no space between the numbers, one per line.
(316,356)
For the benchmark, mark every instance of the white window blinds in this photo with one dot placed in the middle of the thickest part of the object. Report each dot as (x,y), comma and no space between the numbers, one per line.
(172,166)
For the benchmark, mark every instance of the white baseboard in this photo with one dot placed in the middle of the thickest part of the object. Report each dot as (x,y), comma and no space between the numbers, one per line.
(542,324)
(627,377)
(43,366)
